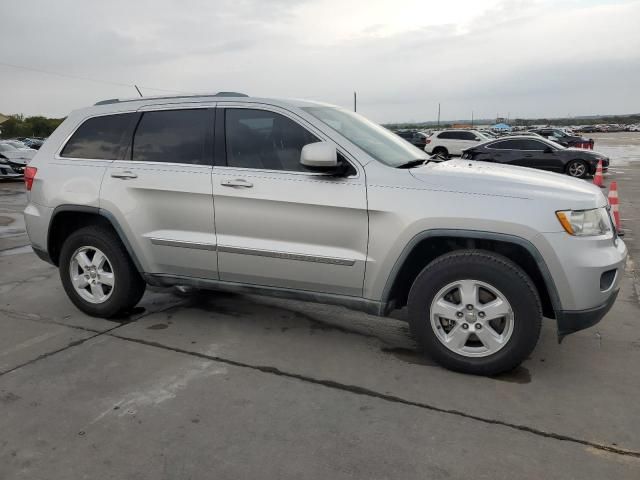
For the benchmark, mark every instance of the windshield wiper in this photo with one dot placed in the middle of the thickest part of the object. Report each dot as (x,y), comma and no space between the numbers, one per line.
(414,163)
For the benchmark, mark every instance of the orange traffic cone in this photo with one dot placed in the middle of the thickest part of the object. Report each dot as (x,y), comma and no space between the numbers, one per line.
(597,178)
(614,202)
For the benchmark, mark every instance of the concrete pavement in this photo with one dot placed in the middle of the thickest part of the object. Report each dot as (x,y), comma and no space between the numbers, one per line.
(233,386)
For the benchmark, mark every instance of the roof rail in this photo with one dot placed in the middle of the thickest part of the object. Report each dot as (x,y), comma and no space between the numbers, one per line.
(230,94)
(107,102)
(219,94)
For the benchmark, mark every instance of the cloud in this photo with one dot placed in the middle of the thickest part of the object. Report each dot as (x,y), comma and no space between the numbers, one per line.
(535,58)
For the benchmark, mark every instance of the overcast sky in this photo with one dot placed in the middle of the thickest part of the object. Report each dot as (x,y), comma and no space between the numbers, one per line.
(523,58)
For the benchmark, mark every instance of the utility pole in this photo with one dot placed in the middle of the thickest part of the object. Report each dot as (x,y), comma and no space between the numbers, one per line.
(355,102)
(438,114)
(471,118)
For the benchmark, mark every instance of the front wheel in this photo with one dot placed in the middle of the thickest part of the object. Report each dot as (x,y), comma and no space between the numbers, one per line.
(97,273)
(475,312)
(577,169)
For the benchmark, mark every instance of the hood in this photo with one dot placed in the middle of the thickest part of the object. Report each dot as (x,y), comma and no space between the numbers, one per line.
(483,178)
(586,153)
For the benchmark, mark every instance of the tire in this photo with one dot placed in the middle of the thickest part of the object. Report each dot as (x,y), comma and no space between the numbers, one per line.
(127,286)
(441,151)
(489,274)
(577,169)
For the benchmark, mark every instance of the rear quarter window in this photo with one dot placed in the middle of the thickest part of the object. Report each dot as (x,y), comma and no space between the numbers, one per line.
(102,138)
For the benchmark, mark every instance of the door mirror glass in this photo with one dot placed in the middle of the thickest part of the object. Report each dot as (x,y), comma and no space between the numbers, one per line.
(320,156)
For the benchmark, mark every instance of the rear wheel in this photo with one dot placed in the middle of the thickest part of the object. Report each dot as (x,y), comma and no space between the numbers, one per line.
(475,312)
(97,273)
(577,168)
(441,151)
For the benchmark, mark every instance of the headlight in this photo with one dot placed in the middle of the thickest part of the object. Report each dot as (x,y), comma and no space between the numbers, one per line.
(585,223)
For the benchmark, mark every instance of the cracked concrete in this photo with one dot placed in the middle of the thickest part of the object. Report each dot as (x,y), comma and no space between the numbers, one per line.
(233,386)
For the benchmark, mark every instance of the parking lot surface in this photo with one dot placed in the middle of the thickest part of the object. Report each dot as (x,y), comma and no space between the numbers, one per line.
(213,385)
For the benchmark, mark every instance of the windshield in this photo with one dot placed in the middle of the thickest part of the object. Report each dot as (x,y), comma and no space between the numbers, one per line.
(555,144)
(382,144)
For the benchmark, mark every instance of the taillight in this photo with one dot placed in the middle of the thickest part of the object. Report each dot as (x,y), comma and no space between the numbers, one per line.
(29,176)
(427,141)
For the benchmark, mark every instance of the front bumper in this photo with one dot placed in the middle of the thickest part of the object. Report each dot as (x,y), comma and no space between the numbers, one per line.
(570,321)
(586,275)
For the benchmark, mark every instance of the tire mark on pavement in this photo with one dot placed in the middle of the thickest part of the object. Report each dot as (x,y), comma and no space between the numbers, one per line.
(75,343)
(357,390)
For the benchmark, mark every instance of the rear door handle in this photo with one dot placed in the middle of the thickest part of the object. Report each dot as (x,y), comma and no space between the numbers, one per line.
(236,182)
(123,174)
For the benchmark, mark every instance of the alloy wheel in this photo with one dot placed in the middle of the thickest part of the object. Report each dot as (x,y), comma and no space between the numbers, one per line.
(577,169)
(471,318)
(92,274)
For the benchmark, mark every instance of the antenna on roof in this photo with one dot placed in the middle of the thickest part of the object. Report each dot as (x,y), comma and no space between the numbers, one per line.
(139,92)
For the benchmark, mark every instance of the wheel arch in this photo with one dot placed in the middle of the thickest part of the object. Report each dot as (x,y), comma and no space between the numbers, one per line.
(66,219)
(428,245)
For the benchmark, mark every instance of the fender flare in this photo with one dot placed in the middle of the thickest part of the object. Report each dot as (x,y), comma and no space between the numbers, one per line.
(109,217)
(475,235)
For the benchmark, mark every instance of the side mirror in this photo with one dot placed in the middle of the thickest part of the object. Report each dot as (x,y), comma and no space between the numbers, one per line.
(319,156)
(548,150)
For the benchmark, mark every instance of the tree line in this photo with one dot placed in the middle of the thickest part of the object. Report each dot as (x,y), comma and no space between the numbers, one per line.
(21,126)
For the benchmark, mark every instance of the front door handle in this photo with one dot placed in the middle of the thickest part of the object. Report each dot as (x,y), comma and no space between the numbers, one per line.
(236,182)
(123,174)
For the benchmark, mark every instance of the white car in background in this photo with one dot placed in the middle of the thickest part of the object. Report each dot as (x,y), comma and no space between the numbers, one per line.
(15,157)
(7,172)
(27,151)
(448,143)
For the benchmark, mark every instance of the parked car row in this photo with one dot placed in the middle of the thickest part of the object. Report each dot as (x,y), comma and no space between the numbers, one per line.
(551,149)
(606,128)
(14,157)
(34,143)
(540,153)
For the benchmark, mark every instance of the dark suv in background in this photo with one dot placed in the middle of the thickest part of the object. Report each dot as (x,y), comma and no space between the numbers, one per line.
(414,137)
(562,137)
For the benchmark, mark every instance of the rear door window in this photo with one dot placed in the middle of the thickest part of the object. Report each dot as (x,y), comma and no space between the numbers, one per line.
(102,138)
(507,145)
(534,145)
(467,136)
(173,136)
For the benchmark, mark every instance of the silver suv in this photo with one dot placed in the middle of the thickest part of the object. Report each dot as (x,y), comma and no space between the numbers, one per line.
(309,201)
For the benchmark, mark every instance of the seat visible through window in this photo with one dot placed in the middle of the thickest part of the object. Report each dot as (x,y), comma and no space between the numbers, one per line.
(264,140)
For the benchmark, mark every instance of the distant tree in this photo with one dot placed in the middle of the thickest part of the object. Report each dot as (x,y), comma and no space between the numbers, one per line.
(38,126)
